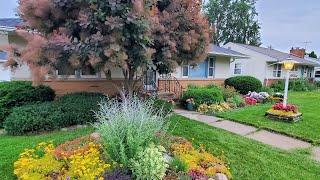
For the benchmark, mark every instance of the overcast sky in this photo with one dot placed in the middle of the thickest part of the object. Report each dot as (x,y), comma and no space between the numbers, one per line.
(285,23)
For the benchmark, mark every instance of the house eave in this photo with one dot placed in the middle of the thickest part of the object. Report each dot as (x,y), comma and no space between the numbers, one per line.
(7,29)
(228,55)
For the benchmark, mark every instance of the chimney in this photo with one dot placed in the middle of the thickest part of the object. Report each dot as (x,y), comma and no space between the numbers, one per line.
(299,52)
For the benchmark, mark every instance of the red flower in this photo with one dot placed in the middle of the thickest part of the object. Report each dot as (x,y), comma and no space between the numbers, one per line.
(288,108)
(251,101)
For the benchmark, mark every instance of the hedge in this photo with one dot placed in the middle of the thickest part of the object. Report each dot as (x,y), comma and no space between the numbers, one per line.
(244,84)
(69,110)
(18,93)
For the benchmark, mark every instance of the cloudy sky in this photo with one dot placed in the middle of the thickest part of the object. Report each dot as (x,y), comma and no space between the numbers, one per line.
(285,23)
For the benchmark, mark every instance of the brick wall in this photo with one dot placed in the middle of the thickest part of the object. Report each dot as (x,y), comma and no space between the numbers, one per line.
(69,86)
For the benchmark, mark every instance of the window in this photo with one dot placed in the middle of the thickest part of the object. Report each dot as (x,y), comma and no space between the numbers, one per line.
(185,70)
(277,70)
(3,55)
(88,71)
(317,74)
(66,71)
(237,68)
(211,67)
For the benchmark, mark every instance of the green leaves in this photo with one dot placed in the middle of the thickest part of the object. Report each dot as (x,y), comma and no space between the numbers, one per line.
(235,21)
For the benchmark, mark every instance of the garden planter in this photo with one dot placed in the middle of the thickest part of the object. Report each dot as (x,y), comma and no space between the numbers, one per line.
(290,119)
(190,107)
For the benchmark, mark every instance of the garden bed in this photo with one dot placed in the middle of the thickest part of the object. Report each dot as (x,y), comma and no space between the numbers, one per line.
(242,154)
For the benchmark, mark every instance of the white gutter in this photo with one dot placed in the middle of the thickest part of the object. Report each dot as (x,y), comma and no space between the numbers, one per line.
(7,29)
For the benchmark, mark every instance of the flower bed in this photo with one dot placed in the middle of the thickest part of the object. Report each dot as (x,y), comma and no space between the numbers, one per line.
(84,162)
(128,145)
(289,113)
(82,158)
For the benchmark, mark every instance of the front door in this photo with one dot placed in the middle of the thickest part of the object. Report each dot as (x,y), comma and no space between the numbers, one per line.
(150,80)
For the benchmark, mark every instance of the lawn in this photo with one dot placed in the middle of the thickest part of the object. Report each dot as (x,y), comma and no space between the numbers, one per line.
(308,128)
(248,159)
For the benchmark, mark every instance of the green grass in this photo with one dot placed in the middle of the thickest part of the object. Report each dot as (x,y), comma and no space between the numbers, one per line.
(308,128)
(12,146)
(248,159)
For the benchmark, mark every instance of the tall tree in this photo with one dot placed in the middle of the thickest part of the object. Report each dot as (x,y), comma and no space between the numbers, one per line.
(130,34)
(313,55)
(234,20)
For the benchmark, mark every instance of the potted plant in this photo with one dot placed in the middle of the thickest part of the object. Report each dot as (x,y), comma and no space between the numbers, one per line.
(289,112)
(190,104)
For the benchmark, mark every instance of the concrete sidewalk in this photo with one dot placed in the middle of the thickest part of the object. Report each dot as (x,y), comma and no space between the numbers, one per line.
(267,137)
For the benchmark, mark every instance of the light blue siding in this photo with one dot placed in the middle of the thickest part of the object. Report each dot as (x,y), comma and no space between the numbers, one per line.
(200,71)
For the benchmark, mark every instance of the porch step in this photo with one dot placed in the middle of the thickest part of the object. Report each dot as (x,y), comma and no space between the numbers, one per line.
(166,96)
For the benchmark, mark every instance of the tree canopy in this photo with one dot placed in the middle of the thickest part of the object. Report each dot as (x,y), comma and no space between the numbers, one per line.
(130,34)
(234,20)
(313,55)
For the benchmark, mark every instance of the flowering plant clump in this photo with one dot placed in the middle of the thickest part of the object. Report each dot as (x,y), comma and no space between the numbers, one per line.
(287,108)
(190,101)
(37,163)
(42,163)
(76,146)
(150,163)
(214,108)
(260,97)
(200,164)
(251,101)
(86,164)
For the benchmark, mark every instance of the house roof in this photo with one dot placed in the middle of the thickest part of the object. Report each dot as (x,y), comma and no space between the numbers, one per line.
(217,50)
(278,55)
(10,24)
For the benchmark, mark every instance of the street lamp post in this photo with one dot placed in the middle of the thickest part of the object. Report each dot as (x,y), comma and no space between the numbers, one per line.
(288,65)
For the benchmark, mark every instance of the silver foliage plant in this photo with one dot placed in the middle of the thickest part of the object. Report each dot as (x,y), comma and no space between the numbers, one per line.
(128,127)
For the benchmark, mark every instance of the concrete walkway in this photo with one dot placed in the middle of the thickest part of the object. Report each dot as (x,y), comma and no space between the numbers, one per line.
(273,139)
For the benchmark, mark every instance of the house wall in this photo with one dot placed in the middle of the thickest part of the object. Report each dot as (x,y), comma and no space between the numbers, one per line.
(5,74)
(23,72)
(255,65)
(106,87)
(222,71)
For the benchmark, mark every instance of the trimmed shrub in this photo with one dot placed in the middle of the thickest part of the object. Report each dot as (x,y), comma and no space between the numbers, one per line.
(244,84)
(18,93)
(203,95)
(71,109)
(78,107)
(33,118)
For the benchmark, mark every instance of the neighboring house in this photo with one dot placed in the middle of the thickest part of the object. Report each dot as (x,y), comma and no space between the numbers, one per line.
(5,74)
(265,63)
(8,36)
(214,69)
